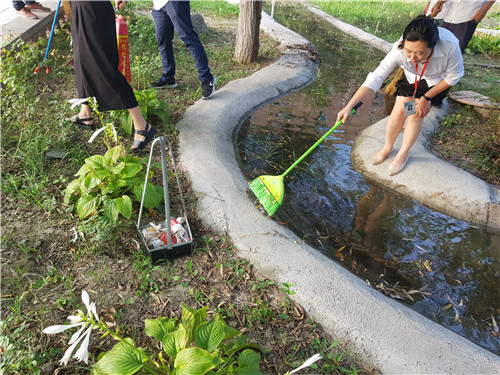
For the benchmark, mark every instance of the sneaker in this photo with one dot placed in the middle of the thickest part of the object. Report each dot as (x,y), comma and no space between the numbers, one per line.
(25,13)
(37,6)
(164,84)
(208,87)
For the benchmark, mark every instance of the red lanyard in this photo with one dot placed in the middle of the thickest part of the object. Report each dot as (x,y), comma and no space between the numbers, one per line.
(423,70)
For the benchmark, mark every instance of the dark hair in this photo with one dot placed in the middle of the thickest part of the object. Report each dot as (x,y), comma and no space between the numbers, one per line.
(421,28)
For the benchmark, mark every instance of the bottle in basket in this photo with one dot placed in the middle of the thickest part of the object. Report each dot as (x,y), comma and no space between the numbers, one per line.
(179,231)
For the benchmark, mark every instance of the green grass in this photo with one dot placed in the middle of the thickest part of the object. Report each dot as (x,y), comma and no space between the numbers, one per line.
(385,20)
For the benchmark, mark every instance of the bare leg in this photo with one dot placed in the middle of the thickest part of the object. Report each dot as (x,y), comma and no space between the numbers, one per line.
(394,126)
(412,130)
(139,122)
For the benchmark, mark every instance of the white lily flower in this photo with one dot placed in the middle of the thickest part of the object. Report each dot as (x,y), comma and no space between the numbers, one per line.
(60,328)
(83,321)
(83,353)
(76,335)
(67,355)
(307,363)
(96,133)
(93,310)
(76,102)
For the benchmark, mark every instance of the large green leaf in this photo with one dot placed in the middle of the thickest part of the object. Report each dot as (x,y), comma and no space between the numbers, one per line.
(85,206)
(124,360)
(130,170)
(111,209)
(90,182)
(174,342)
(248,362)
(158,327)
(70,189)
(111,156)
(124,205)
(127,123)
(210,334)
(230,332)
(194,361)
(154,194)
(116,169)
(95,162)
(192,318)
(164,115)
(240,343)
(83,170)
(102,174)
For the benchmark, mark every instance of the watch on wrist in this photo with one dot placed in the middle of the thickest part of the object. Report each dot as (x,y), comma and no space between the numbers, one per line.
(426,97)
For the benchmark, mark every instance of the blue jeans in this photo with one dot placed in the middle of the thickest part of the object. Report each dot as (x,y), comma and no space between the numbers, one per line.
(18,5)
(176,15)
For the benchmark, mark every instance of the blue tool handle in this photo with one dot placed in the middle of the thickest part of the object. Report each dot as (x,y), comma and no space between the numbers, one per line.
(52,31)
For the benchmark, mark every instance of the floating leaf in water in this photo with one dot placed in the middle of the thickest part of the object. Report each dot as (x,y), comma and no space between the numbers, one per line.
(448,306)
(339,254)
(427,265)
(495,326)
(436,195)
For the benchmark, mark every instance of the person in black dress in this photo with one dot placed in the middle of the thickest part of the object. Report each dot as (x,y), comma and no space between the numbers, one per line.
(96,67)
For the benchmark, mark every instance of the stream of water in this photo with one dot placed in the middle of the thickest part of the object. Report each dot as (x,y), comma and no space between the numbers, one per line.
(446,269)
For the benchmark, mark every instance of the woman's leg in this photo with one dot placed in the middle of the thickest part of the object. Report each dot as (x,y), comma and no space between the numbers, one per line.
(139,123)
(410,135)
(393,127)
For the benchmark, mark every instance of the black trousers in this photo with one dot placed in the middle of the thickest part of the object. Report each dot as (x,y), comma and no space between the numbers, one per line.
(96,56)
(463,31)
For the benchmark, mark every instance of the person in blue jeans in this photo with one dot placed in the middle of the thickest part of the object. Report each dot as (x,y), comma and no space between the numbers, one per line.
(24,8)
(176,15)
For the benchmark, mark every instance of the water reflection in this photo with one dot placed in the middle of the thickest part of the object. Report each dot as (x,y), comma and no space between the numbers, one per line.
(443,268)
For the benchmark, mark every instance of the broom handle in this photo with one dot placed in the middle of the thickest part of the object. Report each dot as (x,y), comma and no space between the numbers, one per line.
(319,141)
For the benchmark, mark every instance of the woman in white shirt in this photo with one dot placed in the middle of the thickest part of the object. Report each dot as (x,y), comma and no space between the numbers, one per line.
(432,63)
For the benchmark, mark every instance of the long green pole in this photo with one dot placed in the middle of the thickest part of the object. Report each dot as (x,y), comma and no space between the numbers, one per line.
(319,141)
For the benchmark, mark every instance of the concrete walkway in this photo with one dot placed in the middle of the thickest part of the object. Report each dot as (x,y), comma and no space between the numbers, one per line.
(14,27)
(384,333)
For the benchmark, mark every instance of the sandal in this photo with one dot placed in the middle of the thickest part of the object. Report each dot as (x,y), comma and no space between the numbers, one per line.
(149,134)
(81,122)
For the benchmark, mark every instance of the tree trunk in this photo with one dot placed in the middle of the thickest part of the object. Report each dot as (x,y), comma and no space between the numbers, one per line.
(247,37)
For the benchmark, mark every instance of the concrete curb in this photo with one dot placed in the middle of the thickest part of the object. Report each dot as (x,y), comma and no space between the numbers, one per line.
(383,333)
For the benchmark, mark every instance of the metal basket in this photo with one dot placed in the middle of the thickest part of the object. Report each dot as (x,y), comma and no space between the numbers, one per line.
(170,250)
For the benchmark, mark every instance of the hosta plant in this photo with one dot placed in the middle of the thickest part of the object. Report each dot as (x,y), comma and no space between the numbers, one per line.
(195,346)
(109,183)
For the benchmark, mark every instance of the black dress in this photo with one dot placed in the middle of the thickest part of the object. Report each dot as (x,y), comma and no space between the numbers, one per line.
(96,56)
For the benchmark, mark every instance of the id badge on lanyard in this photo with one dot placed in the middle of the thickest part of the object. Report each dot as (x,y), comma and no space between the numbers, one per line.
(410,106)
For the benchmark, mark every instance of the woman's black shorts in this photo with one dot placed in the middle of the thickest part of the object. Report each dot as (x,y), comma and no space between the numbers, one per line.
(403,88)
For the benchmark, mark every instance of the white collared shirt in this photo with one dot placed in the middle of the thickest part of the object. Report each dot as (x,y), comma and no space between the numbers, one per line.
(158,4)
(445,63)
(460,11)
